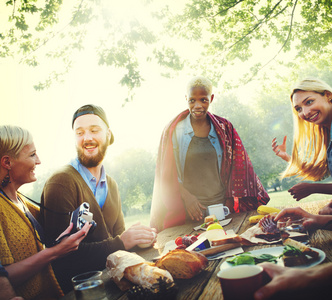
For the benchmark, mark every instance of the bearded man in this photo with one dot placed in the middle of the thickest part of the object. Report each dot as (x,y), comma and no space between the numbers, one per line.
(85,180)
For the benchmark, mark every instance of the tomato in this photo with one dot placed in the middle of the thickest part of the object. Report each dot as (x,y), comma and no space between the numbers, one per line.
(178,241)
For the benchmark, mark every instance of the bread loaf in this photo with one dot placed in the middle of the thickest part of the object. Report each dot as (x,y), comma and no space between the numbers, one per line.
(122,264)
(182,264)
(146,274)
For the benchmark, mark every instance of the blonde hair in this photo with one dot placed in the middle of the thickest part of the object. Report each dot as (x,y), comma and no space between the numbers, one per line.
(13,139)
(309,154)
(199,82)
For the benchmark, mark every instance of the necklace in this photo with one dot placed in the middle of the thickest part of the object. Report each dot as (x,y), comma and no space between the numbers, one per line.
(19,202)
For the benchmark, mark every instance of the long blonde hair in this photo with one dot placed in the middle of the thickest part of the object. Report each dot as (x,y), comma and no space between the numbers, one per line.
(310,143)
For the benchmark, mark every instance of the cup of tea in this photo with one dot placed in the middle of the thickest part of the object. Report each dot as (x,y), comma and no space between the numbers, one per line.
(219,210)
(241,282)
(292,227)
(89,286)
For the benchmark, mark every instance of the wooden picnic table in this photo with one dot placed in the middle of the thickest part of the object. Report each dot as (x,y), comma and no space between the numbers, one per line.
(206,285)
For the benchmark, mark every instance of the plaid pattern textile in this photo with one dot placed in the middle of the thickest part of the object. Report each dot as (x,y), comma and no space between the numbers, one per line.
(237,174)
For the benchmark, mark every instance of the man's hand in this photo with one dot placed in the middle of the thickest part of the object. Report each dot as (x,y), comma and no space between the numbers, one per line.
(326,210)
(138,234)
(283,279)
(301,190)
(311,221)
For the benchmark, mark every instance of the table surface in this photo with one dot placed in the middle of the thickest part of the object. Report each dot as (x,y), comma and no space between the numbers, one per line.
(205,285)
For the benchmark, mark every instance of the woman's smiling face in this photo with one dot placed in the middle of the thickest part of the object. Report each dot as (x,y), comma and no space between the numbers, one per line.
(23,167)
(313,107)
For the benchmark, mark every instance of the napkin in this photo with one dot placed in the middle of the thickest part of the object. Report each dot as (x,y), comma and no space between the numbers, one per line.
(249,235)
(118,261)
(230,252)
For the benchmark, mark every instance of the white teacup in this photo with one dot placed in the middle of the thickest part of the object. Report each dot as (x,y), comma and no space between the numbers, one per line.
(219,210)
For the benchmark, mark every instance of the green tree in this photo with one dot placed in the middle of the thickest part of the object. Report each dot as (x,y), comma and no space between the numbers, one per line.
(238,30)
(226,33)
(133,171)
(36,30)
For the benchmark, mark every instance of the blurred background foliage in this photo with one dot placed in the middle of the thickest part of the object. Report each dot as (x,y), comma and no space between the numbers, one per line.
(272,43)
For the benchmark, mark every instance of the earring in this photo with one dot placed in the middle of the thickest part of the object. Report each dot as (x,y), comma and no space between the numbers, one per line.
(6,180)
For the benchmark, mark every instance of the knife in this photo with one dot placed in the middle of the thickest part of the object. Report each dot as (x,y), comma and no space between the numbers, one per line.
(218,249)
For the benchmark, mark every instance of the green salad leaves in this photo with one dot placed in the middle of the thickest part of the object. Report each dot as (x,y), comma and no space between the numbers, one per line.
(249,259)
(291,251)
(204,224)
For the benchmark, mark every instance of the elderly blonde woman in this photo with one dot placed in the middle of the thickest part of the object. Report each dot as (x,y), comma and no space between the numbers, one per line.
(201,162)
(22,252)
(311,156)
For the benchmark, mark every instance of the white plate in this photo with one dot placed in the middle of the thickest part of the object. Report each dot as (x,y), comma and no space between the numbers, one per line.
(276,251)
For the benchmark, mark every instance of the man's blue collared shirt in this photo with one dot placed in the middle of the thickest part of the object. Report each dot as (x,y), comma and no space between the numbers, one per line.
(181,139)
(100,190)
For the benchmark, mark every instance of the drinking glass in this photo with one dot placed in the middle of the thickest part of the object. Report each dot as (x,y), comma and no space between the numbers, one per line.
(292,227)
(89,286)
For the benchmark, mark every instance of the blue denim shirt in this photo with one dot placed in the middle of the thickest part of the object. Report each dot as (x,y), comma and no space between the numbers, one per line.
(181,139)
(329,152)
(100,191)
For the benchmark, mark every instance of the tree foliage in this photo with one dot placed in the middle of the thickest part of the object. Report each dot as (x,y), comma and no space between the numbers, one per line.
(256,131)
(229,32)
(34,30)
(238,30)
(134,172)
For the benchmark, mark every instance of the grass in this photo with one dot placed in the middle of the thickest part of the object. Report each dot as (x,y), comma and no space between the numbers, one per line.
(284,198)
(280,198)
(144,218)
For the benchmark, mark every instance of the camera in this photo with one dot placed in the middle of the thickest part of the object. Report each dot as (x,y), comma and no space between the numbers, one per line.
(80,216)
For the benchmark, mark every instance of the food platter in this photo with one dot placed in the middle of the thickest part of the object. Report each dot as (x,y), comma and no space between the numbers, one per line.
(276,251)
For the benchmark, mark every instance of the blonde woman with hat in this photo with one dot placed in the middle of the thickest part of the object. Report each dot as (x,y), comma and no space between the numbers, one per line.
(311,156)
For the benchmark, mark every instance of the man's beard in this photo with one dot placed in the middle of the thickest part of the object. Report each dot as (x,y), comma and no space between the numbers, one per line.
(93,161)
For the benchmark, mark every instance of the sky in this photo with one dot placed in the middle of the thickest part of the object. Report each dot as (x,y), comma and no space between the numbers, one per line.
(48,114)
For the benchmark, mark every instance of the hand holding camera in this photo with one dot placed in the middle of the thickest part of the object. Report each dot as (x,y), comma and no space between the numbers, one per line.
(80,216)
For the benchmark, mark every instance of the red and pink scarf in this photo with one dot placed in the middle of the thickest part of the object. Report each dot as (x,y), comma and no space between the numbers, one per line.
(237,174)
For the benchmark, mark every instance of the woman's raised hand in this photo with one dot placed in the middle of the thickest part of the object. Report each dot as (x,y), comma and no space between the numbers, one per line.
(280,150)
